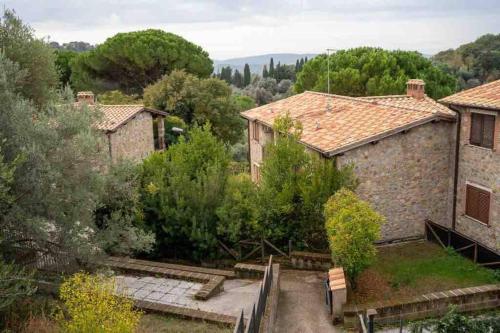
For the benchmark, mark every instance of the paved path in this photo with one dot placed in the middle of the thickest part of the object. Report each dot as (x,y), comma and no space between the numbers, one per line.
(301,307)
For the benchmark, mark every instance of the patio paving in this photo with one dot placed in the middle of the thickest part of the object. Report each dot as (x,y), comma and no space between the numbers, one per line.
(238,293)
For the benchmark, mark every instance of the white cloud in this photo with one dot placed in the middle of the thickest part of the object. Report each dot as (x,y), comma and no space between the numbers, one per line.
(238,28)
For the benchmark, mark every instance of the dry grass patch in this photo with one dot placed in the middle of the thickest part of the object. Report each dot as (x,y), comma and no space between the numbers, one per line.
(406,270)
(151,323)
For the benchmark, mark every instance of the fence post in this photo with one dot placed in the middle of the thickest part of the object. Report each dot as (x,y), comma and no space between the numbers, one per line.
(371,313)
(263,252)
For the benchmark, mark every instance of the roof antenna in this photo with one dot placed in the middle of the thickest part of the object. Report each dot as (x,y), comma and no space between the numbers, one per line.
(328,61)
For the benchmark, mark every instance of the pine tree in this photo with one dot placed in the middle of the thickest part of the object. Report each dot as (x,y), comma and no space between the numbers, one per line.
(237,79)
(265,73)
(246,75)
(271,68)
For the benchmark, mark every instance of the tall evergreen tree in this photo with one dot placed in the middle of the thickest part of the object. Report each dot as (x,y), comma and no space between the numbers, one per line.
(305,60)
(237,79)
(265,73)
(246,75)
(297,66)
(301,63)
(271,68)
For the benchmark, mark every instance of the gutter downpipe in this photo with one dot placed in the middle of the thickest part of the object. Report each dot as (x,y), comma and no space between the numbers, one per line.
(455,180)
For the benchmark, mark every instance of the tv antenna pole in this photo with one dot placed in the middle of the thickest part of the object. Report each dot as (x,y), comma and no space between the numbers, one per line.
(328,61)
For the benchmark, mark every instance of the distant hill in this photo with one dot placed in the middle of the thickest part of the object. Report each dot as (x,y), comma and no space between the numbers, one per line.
(473,63)
(257,62)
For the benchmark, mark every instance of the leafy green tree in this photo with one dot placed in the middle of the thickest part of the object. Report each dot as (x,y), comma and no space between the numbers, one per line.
(115,97)
(238,212)
(247,76)
(372,71)
(15,284)
(198,101)
(472,63)
(63,64)
(57,186)
(19,44)
(131,61)
(182,188)
(352,227)
(294,186)
(172,137)
(244,102)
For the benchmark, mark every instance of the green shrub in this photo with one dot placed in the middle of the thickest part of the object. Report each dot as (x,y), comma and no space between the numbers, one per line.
(93,307)
(352,227)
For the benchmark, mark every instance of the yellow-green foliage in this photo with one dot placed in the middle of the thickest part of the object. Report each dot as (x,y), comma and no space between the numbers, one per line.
(93,307)
(352,226)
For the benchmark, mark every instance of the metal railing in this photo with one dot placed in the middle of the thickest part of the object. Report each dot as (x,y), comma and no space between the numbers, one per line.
(258,308)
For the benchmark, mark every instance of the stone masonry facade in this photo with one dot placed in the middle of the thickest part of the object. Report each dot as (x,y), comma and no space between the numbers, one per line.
(407,178)
(134,140)
(479,166)
(259,135)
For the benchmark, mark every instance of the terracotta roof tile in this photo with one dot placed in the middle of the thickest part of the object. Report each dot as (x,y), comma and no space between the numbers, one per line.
(486,95)
(114,116)
(350,121)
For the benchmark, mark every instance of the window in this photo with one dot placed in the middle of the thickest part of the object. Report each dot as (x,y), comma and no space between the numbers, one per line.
(477,204)
(482,130)
(255,131)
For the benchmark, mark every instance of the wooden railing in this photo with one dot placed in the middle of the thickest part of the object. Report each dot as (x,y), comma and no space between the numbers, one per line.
(258,308)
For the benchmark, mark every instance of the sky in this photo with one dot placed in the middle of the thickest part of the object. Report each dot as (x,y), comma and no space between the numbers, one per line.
(234,28)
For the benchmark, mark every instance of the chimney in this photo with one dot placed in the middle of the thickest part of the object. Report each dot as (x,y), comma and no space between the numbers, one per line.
(415,88)
(85,97)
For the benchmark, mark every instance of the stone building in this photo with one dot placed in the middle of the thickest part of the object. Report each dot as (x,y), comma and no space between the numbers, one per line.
(129,129)
(477,207)
(417,160)
(400,146)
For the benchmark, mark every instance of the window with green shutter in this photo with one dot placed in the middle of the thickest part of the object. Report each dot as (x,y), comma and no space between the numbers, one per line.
(482,131)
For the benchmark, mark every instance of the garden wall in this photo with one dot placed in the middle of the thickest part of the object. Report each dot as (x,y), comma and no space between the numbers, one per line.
(431,305)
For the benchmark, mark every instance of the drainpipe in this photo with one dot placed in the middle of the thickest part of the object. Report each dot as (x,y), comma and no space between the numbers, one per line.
(109,147)
(455,180)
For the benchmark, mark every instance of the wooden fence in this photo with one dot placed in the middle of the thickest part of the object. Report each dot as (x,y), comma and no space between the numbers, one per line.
(258,308)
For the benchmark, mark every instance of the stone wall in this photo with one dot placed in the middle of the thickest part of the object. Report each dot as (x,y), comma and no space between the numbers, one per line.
(311,260)
(407,178)
(257,147)
(430,305)
(479,166)
(134,140)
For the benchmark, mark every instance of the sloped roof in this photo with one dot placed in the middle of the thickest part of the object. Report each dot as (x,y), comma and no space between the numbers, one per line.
(114,116)
(333,124)
(484,96)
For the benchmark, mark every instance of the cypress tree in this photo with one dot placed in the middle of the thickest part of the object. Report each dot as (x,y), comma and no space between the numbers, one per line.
(265,73)
(237,79)
(301,63)
(271,68)
(246,75)
(297,66)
